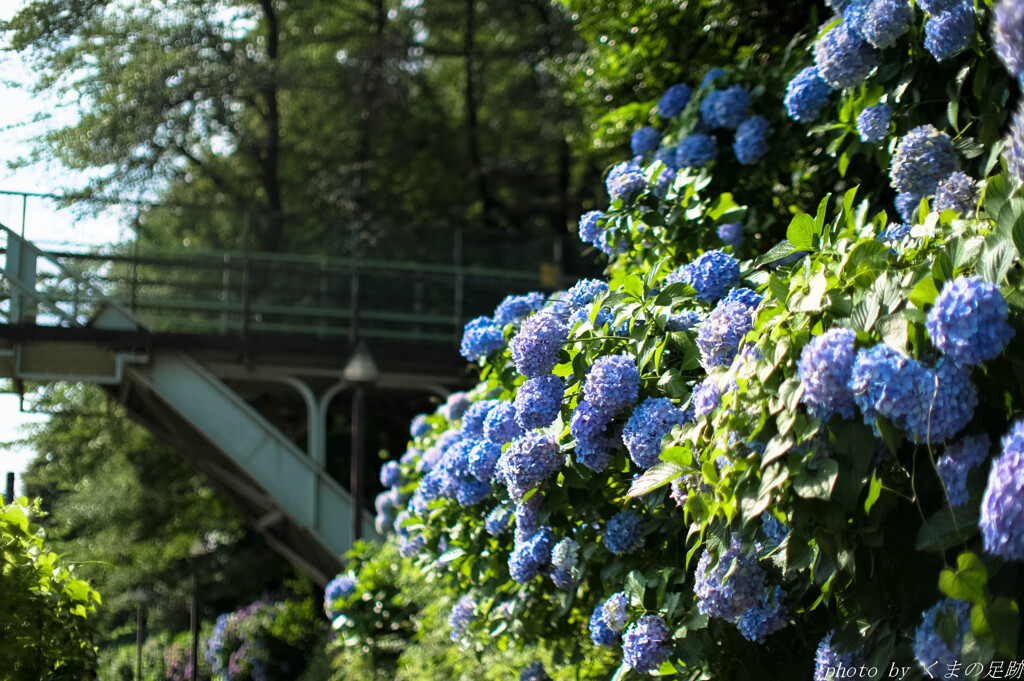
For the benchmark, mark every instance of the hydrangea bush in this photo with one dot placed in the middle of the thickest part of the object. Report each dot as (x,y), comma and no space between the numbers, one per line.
(768,456)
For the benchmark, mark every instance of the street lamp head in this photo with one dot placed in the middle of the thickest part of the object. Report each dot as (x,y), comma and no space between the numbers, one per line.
(361,368)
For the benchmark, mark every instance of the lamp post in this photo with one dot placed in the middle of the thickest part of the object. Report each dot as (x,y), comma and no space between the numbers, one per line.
(361,371)
(197,550)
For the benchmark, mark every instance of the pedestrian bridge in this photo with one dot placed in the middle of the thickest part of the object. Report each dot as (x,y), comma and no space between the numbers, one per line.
(204,348)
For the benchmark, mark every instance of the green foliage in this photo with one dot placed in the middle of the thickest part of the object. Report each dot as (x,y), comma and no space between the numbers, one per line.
(46,631)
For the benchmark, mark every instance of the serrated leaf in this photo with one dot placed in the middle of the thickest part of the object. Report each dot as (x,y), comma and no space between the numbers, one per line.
(996,260)
(675,293)
(776,252)
(654,477)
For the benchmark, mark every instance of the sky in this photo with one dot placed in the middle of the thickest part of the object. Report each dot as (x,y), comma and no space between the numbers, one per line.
(43,224)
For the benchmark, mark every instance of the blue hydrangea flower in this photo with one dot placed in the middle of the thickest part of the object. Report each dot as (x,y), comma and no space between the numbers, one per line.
(529,556)
(455,406)
(564,558)
(390,474)
(929,647)
(668,156)
(712,274)
(937,6)
(906,205)
(725,108)
(648,424)
(514,308)
(969,321)
(587,426)
(527,462)
(957,461)
(729,598)
(806,95)
(1013,151)
(948,33)
(500,425)
(534,672)
(535,348)
(719,336)
(682,321)
(498,521)
(1008,35)
(706,398)
(873,123)
(608,620)
(923,157)
(337,590)
(419,426)
(853,16)
(411,546)
(645,645)
(473,420)
(750,143)
(664,181)
(526,517)
(732,234)
(612,383)
(884,21)
(624,533)
(602,318)
(882,380)
(1002,507)
(625,180)
(589,229)
(480,338)
(483,458)
(462,616)
(773,528)
(844,60)
(696,151)
(765,618)
(825,368)
(538,401)
(645,139)
(956,192)
(582,292)
(674,100)
(895,232)
(711,76)
(826,660)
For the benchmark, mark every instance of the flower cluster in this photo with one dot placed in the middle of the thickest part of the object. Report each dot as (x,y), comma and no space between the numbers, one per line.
(527,462)
(956,192)
(624,181)
(969,321)
(538,401)
(873,123)
(535,348)
(725,108)
(648,424)
(462,616)
(948,33)
(929,646)
(608,620)
(719,336)
(806,95)
(696,150)
(843,58)
(825,369)
(1002,507)
(624,533)
(645,643)
(612,383)
(923,157)
(712,274)
(733,586)
(957,461)
(674,100)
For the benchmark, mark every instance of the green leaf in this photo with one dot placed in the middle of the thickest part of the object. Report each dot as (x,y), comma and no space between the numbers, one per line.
(967,582)
(634,286)
(998,623)
(800,232)
(996,260)
(675,293)
(776,252)
(636,587)
(874,492)
(654,477)
(924,293)
(817,483)
(947,528)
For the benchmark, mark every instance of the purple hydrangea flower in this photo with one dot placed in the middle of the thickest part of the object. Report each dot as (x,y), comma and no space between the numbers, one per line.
(719,336)
(929,647)
(937,6)
(483,457)
(873,123)
(514,308)
(1002,507)
(455,406)
(956,192)
(806,95)
(612,383)
(390,474)
(750,143)
(969,321)
(826,660)
(948,33)
(923,157)
(728,598)
(712,274)
(645,645)
(643,140)
(534,672)
(884,21)
(648,424)
(732,234)
(765,618)
(473,420)
(624,533)
(527,462)
(608,620)
(895,232)
(674,100)
(419,426)
(564,562)
(725,108)
(1008,35)
(773,528)
(535,348)
(907,204)
(825,368)
(682,321)
(696,151)
(498,521)
(480,338)
(462,615)
(957,461)
(587,426)
(625,180)
(844,60)
(589,230)
(1013,151)
(538,401)
(582,292)
(500,425)
(530,555)
(706,398)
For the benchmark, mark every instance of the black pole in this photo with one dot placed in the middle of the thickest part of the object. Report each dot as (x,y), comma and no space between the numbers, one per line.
(358,443)
(138,644)
(9,492)
(193,654)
